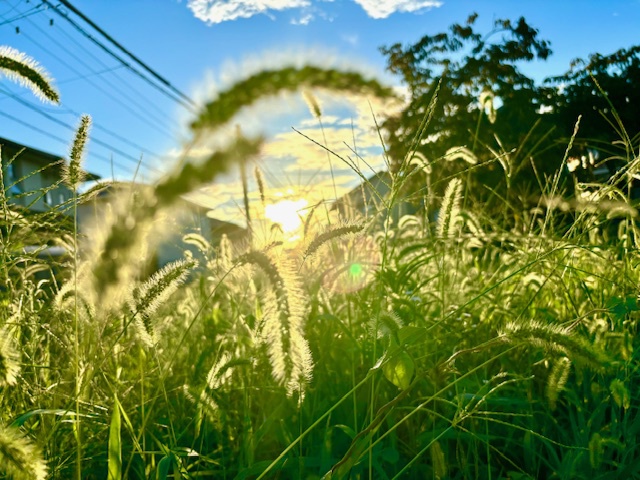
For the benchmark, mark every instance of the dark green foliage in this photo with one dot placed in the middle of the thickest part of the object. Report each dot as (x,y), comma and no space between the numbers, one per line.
(479,72)
(602,90)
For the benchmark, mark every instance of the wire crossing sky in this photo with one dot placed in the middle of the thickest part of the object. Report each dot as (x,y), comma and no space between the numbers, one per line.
(139,67)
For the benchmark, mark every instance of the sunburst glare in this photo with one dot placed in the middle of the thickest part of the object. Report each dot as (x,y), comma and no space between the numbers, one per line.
(288,214)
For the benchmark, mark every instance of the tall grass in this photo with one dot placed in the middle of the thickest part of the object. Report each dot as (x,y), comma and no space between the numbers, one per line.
(383,347)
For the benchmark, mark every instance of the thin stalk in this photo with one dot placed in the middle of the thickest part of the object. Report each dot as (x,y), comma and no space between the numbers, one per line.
(142,400)
(333,178)
(353,373)
(76,338)
(315,424)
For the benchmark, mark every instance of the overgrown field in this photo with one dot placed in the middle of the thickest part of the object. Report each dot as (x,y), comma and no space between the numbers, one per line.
(452,343)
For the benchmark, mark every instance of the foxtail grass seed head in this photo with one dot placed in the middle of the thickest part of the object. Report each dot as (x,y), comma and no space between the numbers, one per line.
(272,82)
(487,103)
(220,372)
(449,214)
(147,298)
(329,234)
(198,241)
(129,226)
(558,339)
(225,254)
(596,450)
(260,181)
(620,393)
(385,324)
(72,172)
(409,226)
(20,459)
(557,380)
(419,160)
(26,71)
(461,153)
(9,360)
(191,176)
(283,322)
(312,103)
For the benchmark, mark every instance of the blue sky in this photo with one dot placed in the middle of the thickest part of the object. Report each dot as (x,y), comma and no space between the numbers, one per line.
(201,45)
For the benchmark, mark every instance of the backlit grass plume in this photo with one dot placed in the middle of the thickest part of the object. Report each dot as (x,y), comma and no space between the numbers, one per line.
(450,210)
(20,459)
(461,153)
(9,367)
(283,323)
(312,103)
(148,297)
(26,71)
(556,338)
(620,393)
(557,380)
(329,234)
(260,182)
(271,82)
(129,225)
(72,173)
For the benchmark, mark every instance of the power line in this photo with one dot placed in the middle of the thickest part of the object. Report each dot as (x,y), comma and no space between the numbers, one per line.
(120,102)
(69,127)
(158,125)
(179,97)
(155,74)
(67,109)
(18,15)
(97,156)
(63,109)
(21,15)
(125,83)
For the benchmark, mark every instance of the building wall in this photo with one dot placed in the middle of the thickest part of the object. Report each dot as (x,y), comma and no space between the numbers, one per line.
(169,228)
(35,173)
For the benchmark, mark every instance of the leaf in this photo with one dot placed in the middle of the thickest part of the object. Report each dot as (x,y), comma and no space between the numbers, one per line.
(390,455)
(399,370)
(438,460)
(20,421)
(409,334)
(362,441)
(163,467)
(350,432)
(115,444)
(622,306)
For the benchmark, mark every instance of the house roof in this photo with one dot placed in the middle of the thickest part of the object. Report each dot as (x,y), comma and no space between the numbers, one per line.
(34,154)
(103,191)
(362,195)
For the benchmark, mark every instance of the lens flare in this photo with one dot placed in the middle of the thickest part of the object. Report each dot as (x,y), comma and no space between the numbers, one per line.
(352,264)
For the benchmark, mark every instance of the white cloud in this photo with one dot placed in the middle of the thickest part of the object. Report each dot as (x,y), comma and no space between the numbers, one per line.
(384,8)
(352,39)
(218,11)
(303,20)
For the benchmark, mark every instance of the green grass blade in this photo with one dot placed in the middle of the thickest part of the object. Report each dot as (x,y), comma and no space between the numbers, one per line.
(115,443)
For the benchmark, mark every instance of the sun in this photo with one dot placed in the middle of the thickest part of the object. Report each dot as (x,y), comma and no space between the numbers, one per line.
(287,213)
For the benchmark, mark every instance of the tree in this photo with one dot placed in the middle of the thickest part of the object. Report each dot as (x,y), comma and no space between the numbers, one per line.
(604,91)
(484,102)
